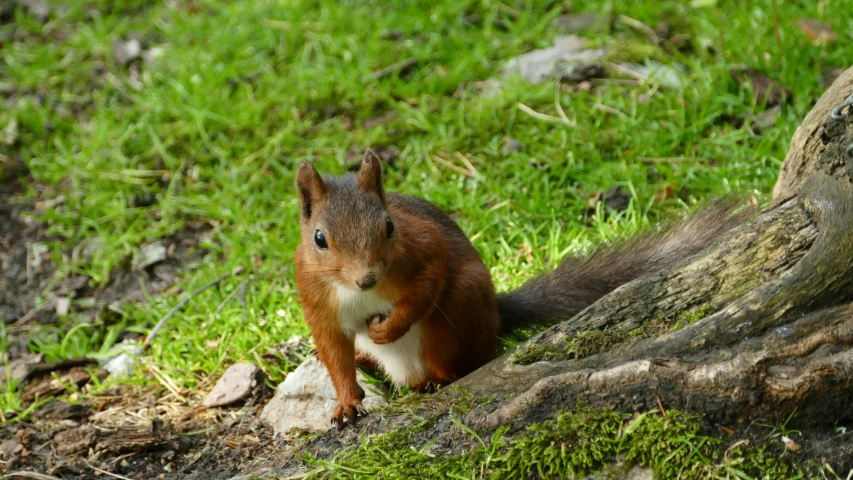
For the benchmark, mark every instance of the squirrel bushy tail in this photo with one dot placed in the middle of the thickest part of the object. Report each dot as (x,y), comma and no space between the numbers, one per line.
(580,281)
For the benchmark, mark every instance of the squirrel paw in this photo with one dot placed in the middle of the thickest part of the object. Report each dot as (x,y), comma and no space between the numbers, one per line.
(346,413)
(426,387)
(378,330)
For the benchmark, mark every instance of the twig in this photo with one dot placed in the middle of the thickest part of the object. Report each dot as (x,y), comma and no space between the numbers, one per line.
(21,321)
(33,475)
(638,25)
(182,304)
(541,116)
(104,472)
(400,66)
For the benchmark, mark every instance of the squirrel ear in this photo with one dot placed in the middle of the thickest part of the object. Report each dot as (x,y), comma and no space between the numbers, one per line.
(311,187)
(370,174)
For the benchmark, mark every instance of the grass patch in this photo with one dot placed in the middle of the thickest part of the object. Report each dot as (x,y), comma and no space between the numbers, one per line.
(212,130)
(572,445)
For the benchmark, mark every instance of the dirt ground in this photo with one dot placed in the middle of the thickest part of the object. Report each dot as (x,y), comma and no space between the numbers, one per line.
(112,432)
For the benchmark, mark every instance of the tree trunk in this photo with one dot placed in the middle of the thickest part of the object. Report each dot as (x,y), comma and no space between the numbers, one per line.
(754,327)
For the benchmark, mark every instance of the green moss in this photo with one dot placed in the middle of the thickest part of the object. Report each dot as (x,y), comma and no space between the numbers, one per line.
(394,455)
(572,445)
(591,342)
(633,50)
(695,314)
(580,345)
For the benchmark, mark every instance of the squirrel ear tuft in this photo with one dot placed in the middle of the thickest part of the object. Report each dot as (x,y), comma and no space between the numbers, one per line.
(370,174)
(311,187)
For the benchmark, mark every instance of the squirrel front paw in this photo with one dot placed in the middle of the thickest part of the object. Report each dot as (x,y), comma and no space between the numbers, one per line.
(345,413)
(378,329)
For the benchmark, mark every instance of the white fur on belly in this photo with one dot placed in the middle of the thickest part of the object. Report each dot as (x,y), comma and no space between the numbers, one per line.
(401,360)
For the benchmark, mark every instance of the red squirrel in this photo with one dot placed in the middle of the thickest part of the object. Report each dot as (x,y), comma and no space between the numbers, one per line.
(390,281)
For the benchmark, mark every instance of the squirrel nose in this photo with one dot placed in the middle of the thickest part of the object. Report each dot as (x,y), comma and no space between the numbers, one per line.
(367,282)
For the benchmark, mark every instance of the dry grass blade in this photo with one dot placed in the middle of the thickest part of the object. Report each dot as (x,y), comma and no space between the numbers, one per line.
(165,381)
(452,166)
(468,164)
(626,72)
(559,107)
(638,25)
(609,109)
(109,474)
(545,118)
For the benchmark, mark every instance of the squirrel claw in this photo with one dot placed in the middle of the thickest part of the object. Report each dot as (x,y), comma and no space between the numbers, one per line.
(346,414)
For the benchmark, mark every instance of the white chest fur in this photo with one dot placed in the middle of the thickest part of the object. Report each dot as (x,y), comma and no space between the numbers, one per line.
(402,359)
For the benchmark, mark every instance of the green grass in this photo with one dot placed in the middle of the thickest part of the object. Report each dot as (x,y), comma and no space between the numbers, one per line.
(245,91)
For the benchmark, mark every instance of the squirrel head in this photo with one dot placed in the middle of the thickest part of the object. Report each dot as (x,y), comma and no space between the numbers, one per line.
(348,235)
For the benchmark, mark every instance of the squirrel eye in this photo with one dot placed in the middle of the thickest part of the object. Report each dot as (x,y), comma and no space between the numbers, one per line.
(389,227)
(320,240)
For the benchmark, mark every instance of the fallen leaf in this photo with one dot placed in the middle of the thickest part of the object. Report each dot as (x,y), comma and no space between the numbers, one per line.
(665,192)
(820,33)
(791,445)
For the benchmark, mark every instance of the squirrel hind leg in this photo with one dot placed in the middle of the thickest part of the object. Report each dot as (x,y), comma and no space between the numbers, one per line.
(366,360)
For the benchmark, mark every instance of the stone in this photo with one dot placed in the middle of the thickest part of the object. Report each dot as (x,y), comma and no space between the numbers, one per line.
(149,254)
(657,72)
(306,398)
(237,383)
(126,51)
(10,448)
(553,62)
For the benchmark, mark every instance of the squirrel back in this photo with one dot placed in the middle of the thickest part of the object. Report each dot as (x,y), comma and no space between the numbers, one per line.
(578,282)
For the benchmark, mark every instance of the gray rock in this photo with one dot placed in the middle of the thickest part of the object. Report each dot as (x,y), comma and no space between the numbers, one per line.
(666,75)
(9,448)
(149,254)
(235,384)
(554,62)
(122,365)
(306,398)
(20,367)
(39,9)
(126,51)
